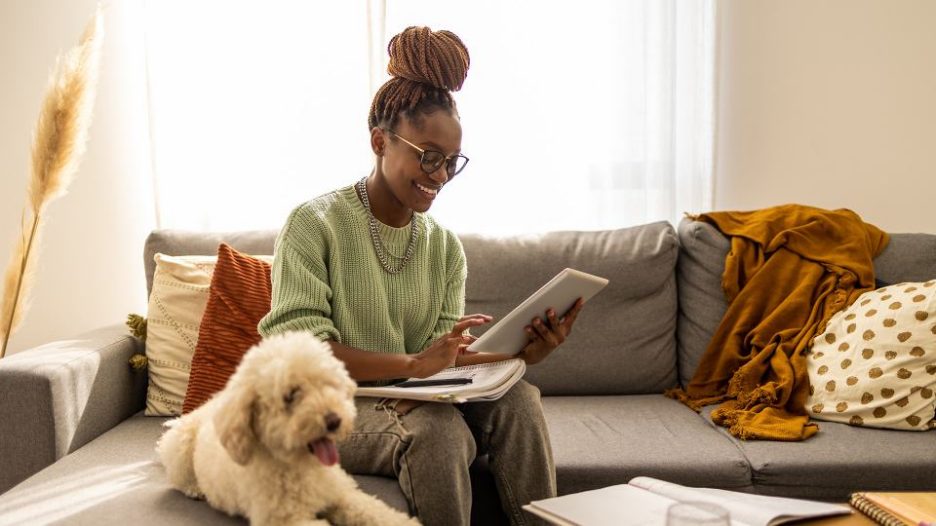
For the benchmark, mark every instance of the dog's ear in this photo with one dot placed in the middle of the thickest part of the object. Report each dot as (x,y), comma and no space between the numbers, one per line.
(234,425)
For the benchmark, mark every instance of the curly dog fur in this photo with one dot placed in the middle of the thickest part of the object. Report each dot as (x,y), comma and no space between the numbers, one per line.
(264,447)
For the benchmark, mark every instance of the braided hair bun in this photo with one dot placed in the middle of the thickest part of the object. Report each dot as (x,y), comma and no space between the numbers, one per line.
(438,58)
(426,66)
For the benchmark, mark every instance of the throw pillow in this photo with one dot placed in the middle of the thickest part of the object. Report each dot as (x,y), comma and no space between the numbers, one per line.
(176,304)
(875,363)
(239,297)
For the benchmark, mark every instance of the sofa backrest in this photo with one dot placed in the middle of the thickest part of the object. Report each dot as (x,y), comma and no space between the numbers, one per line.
(624,341)
(703,249)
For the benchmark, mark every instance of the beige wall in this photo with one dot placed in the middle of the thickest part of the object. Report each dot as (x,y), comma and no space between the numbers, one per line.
(90,264)
(830,103)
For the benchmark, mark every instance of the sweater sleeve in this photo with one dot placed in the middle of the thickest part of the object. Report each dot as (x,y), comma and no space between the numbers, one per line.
(301,292)
(453,303)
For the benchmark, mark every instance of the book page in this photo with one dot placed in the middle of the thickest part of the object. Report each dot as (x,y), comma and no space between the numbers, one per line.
(621,505)
(745,508)
(488,381)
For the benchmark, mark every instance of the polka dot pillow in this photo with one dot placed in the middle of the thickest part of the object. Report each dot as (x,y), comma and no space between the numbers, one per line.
(875,363)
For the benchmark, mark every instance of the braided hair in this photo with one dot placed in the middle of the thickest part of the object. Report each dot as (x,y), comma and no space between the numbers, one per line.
(426,67)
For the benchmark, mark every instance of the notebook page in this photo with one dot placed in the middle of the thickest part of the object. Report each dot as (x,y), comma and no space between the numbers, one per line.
(489,381)
(483,376)
(745,508)
(621,505)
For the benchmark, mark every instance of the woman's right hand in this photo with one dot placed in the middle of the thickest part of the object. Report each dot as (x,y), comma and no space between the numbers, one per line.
(442,352)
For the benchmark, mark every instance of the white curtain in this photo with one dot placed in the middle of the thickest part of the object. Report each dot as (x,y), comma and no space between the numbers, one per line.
(586,115)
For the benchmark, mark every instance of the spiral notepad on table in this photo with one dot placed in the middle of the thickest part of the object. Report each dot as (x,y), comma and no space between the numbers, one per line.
(897,508)
(489,381)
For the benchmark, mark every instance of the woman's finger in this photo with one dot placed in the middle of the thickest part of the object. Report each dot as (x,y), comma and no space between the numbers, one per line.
(553,338)
(487,317)
(464,324)
(541,328)
(553,321)
(569,318)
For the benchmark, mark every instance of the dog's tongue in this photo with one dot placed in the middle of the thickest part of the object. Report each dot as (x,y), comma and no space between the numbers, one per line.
(326,451)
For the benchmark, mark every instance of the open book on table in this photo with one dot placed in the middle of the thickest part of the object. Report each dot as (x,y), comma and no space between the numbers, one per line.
(470,383)
(644,501)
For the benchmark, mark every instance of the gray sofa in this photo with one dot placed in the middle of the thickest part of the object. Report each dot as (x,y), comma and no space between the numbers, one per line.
(72,423)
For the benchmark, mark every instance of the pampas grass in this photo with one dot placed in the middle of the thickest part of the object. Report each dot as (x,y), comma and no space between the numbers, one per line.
(58,144)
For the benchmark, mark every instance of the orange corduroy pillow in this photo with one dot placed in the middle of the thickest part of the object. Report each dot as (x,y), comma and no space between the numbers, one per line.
(239,297)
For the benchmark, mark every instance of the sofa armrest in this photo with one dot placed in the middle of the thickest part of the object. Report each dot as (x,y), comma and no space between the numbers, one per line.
(57,397)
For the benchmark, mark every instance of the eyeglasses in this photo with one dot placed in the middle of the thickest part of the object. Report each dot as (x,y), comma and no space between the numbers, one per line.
(432,160)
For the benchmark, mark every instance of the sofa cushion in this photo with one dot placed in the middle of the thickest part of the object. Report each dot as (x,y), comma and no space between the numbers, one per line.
(188,243)
(603,440)
(624,339)
(702,304)
(839,460)
(176,305)
(907,257)
(239,296)
(875,364)
(116,478)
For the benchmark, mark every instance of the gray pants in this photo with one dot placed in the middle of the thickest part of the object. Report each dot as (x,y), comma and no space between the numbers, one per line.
(430,448)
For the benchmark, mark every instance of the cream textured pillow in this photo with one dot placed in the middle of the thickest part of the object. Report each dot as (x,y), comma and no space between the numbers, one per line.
(875,364)
(176,305)
(173,319)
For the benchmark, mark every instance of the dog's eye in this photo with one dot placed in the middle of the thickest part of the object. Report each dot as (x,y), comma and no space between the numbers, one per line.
(291,396)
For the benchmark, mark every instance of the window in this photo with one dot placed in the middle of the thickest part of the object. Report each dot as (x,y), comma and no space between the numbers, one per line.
(586,115)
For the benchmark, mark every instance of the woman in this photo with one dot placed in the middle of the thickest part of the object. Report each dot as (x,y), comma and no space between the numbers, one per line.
(365,268)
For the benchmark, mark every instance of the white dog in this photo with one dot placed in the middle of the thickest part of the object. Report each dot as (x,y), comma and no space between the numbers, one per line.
(264,447)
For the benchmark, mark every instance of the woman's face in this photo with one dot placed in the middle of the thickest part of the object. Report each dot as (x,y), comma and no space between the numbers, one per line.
(408,187)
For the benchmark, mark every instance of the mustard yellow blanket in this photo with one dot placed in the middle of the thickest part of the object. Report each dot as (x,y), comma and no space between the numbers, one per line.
(789,270)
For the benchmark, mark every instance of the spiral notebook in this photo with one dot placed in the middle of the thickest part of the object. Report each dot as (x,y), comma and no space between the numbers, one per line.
(897,508)
(488,381)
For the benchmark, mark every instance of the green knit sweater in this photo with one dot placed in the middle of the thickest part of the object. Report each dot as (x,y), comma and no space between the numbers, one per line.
(327,279)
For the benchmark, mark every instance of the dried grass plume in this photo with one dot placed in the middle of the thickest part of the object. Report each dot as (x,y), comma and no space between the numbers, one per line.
(58,143)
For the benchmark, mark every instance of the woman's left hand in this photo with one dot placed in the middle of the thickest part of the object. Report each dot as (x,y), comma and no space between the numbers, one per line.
(546,336)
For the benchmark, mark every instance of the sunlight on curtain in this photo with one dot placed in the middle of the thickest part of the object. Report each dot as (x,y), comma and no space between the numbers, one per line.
(596,114)
(590,115)
(255,107)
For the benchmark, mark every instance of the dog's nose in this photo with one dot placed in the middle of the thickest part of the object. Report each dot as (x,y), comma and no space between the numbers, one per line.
(332,421)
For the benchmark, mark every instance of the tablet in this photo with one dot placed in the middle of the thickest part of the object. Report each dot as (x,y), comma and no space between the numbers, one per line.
(507,335)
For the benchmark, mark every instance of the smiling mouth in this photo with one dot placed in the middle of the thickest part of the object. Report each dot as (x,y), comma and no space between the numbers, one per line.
(430,192)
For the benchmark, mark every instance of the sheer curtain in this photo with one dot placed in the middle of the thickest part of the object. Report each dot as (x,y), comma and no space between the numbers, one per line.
(586,115)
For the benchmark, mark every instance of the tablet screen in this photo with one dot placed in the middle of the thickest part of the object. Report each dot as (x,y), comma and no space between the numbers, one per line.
(507,335)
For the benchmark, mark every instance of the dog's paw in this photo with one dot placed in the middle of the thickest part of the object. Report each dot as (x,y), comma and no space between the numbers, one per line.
(395,518)
(193,493)
(360,509)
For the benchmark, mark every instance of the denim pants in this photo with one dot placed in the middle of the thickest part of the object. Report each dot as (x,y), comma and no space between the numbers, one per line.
(428,450)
